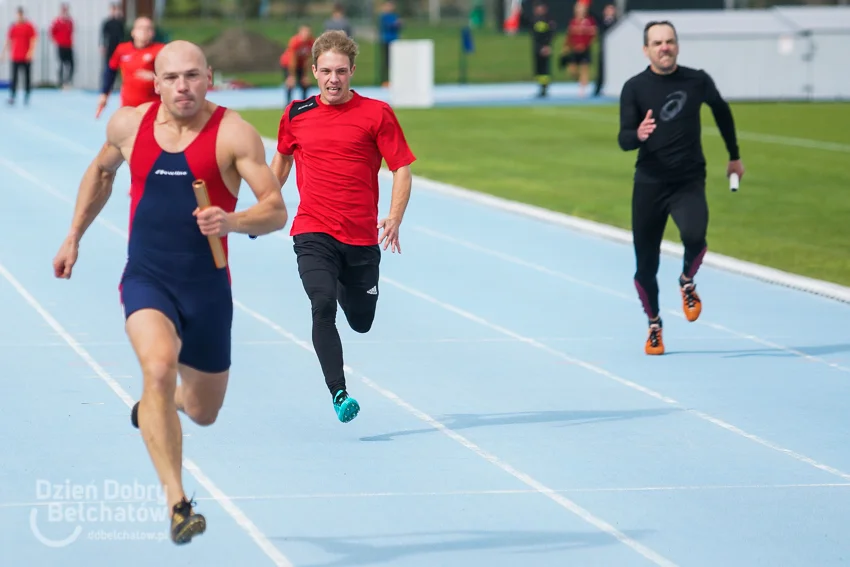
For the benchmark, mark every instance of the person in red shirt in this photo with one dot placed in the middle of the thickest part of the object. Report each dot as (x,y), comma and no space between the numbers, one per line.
(581,32)
(294,62)
(135,60)
(337,140)
(62,33)
(21,41)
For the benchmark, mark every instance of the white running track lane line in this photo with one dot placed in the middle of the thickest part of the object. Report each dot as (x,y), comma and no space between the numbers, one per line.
(632,298)
(232,510)
(526,479)
(610,375)
(449,493)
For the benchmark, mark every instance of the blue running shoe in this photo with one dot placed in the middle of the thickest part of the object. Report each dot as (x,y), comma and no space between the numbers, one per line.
(346,407)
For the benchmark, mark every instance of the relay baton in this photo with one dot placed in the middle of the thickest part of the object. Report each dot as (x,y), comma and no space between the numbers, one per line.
(734,180)
(203,198)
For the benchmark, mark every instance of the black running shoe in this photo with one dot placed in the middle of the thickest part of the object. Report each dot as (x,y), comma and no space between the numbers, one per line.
(185,523)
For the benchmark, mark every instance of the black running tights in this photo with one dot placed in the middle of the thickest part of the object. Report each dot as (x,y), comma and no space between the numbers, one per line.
(332,273)
(652,203)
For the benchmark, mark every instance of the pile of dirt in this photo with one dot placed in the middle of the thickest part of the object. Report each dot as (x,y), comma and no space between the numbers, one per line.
(238,50)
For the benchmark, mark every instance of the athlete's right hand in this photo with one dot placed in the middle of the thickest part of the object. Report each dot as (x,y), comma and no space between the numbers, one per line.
(65,259)
(101,104)
(646,127)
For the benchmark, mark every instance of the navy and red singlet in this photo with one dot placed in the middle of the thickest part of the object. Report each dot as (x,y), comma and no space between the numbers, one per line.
(170,266)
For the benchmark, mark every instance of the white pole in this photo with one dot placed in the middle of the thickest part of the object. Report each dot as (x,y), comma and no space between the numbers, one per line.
(434,11)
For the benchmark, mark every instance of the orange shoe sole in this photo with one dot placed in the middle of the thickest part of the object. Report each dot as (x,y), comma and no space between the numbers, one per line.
(657,348)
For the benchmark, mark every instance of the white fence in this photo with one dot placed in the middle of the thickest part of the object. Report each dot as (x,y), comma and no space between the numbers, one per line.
(783,53)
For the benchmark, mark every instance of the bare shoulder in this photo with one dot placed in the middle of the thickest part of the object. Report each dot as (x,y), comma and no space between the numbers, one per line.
(124,124)
(238,134)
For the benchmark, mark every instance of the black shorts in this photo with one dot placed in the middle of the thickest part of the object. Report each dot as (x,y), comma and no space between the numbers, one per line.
(575,58)
(357,268)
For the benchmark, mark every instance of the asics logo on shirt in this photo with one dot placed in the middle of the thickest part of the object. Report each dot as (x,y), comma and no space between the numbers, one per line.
(674,105)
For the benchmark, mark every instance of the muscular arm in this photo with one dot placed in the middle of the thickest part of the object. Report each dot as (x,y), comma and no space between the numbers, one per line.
(96,185)
(723,117)
(629,119)
(269,213)
(402,181)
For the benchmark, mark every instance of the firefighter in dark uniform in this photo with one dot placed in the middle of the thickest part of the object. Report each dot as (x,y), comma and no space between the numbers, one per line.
(542,31)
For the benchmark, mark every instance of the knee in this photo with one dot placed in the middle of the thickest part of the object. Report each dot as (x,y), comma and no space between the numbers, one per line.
(646,270)
(200,414)
(323,306)
(693,239)
(160,377)
(361,324)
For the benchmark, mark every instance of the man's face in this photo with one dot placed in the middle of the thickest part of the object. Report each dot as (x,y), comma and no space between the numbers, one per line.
(333,72)
(662,49)
(142,32)
(182,80)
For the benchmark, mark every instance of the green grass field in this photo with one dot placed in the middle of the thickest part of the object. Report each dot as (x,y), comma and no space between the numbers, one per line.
(792,212)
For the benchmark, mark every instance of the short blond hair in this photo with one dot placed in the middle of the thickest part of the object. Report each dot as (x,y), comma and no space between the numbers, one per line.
(335,40)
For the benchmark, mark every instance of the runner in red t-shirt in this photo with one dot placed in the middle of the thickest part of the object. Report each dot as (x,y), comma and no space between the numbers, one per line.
(21,41)
(337,141)
(62,33)
(295,62)
(135,59)
(581,32)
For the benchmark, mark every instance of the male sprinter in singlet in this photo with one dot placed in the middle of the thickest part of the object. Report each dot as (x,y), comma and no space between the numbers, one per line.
(178,305)
(135,60)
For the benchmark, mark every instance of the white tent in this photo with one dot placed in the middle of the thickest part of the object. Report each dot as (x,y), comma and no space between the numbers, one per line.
(786,53)
(88,18)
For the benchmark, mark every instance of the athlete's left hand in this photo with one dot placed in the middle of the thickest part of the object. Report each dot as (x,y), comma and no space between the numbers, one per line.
(212,221)
(390,234)
(735,166)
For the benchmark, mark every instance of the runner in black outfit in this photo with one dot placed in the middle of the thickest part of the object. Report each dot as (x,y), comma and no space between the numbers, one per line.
(660,117)
(542,31)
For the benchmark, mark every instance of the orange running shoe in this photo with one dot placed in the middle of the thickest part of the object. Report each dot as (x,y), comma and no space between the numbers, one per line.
(691,303)
(654,342)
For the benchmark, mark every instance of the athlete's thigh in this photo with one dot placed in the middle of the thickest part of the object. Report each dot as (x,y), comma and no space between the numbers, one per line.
(152,322)
(361,275)
(689,207)
(320,263)
(207,313)
(649,213)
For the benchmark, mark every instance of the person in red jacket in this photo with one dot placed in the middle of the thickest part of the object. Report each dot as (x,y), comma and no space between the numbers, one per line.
(62,33)
(21,41)
(135,60)
(295,62)
(581,32)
